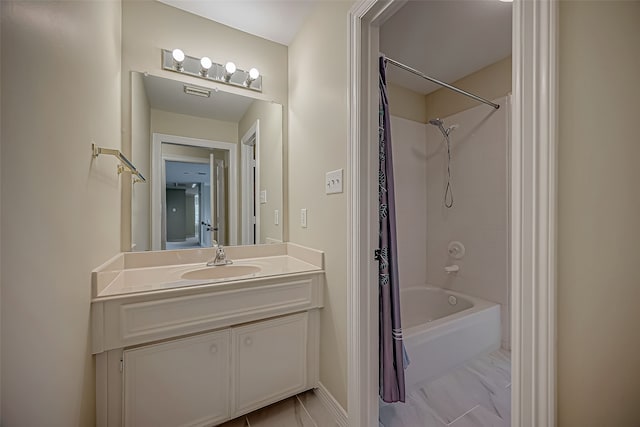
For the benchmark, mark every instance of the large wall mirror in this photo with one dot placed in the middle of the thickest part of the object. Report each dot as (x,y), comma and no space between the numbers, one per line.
(214,166)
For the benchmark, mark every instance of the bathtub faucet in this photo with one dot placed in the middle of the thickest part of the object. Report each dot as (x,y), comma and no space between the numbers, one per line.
(452,268)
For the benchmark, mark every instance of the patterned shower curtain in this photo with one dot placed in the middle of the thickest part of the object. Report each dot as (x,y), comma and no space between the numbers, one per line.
(392,357)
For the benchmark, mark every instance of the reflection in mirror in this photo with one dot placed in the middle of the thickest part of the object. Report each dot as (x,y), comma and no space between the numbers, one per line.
(215,166)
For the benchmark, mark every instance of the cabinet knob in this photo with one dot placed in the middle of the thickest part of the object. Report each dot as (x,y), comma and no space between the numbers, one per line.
(248,341)
(213,349)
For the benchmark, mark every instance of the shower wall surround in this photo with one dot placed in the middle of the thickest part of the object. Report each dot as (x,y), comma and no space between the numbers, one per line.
(479,217)
(410,169)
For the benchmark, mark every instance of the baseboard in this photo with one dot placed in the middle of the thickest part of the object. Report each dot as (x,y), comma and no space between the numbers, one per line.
(332,405)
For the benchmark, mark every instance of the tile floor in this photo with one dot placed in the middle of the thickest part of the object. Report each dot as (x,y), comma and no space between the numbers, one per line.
(303,410)
(478,394)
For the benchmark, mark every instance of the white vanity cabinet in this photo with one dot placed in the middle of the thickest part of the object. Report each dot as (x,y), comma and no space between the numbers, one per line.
(270,361)
(183,382)
(202,355)
(206,379)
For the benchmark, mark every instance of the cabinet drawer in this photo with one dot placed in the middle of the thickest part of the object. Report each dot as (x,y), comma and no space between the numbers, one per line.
(184,382)
(270,361)
(120,324)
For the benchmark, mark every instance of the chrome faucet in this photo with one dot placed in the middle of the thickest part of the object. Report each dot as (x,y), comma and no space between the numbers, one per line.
(220,258)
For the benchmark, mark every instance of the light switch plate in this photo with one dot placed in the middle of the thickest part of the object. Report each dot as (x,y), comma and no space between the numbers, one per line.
(263,196)
(303,218)
(333,182)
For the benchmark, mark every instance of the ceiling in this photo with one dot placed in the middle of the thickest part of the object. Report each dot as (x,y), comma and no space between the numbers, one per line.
(445,39)
(275,20)
(185,172)
(168,95)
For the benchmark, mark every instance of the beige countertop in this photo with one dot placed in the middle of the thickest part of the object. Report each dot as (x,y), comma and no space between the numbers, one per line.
(137,273)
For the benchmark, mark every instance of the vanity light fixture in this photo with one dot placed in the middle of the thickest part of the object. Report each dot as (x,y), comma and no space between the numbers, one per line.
(203,67)
(178,59)
(229,69)
(251,76)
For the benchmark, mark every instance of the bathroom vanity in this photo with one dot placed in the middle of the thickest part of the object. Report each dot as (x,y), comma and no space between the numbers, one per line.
(178,343)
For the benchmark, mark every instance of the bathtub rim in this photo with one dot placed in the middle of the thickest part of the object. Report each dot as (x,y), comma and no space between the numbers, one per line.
(438,325)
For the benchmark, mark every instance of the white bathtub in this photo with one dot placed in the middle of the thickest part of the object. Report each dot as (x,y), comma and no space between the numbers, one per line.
(443,329)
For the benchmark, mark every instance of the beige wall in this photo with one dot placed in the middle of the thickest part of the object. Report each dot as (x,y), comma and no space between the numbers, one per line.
(0,216)
(60,207)
(318,143)
(270,116)
(490,82)
(141,158)
(149,26)
(598,214)
(406,103)
(193,127)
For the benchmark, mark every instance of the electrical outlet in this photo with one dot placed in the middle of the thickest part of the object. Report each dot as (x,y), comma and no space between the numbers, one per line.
(333,182)
(276,217)
(303,218)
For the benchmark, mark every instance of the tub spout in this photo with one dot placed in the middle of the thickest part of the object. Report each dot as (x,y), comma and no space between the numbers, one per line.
(452,268)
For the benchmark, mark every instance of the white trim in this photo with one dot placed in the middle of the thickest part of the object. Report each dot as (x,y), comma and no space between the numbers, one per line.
(181,158)
(331,404)
(245,181)
(533,213)
(533,207)
(156,181)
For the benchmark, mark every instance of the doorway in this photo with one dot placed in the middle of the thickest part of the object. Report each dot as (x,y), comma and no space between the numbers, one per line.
(251,196)
(194,192)
(532,211)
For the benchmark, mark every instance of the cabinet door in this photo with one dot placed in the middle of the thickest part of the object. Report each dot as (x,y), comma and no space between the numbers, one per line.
(270,361)
(179,383)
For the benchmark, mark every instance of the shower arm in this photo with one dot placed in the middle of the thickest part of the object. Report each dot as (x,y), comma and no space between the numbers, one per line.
(438,82)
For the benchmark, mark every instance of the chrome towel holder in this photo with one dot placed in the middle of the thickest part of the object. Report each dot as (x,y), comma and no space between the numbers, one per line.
(125,165)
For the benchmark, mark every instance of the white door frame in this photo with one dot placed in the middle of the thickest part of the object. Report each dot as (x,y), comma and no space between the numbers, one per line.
(156,181)
(246,178)
(533,211)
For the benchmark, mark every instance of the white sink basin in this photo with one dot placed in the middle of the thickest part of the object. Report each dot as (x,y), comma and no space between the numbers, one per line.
(221,272)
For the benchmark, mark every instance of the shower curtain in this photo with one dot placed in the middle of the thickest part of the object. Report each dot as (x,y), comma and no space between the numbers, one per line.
(392,357)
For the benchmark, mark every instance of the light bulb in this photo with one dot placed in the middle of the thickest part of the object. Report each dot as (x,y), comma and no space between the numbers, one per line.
(178,55)
(230,67)
(205,63)
(254,73)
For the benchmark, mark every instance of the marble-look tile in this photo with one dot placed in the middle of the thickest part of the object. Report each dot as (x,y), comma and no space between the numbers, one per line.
(413,413)
(501,400)
(475,395)
(237,422)
(480,417)
(287,413)
(320,415)
(492,370)
(455,394)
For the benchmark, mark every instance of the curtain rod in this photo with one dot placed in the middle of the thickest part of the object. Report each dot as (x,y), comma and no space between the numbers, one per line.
(438,82)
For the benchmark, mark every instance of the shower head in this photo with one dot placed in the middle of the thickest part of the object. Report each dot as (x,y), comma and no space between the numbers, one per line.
(440,124)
